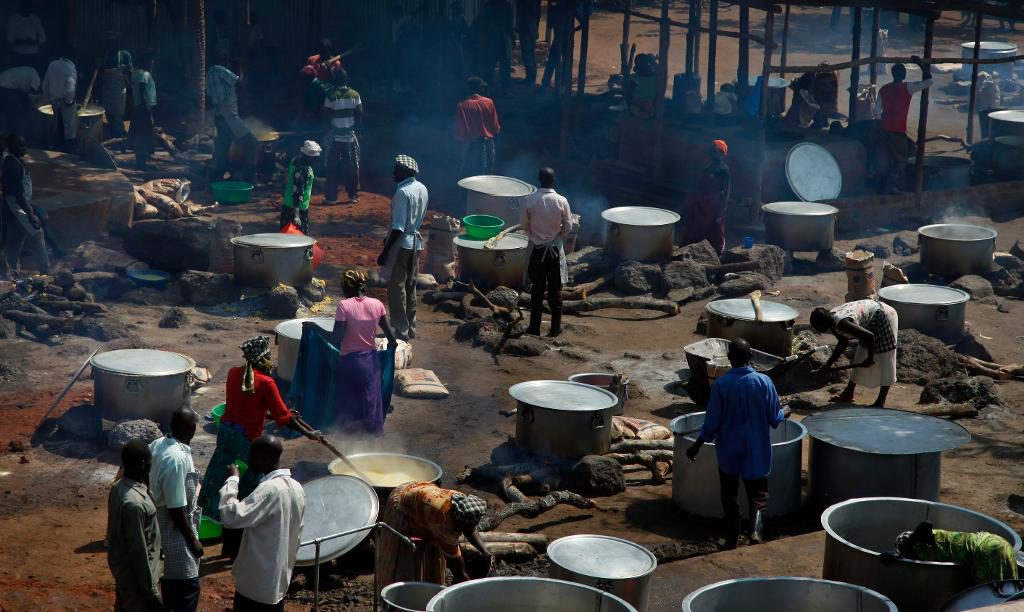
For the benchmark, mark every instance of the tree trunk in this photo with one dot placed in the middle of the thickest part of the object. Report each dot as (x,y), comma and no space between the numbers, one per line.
(534,508)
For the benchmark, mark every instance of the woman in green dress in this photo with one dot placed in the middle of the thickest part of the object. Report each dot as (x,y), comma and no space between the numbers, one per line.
(989,557)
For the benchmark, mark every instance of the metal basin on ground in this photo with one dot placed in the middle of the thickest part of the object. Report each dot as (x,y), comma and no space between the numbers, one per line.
(267,260)
(640,233)
(1008,156)
(614,565)
(695,483)
(786,593)
(955,249)
(562,418)
(409,596)
(389,470)
(867,452)
(525,595)
(500,196)
(946,172)
(335,504)
(289,336)
(930,309)
(503,265)
(1008,122)
(141,384)
(735,318)
(859,530)
(800,226)
(603,380)
(983,596)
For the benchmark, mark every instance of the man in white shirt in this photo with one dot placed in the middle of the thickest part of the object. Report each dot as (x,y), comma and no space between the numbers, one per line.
(547,219)
(272,519)
(173,483)
(59,88)
(403,245)
(25,35)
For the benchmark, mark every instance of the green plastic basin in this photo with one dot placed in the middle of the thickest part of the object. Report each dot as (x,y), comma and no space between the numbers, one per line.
(482,227)
(209,529)
(231,192)
(218,412)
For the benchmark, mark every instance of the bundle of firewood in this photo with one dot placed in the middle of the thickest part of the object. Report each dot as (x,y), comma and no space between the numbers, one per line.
(164,199)
(45,306)
(979,367)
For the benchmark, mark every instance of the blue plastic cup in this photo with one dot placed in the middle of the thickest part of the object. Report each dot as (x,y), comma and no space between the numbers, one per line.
(748,242)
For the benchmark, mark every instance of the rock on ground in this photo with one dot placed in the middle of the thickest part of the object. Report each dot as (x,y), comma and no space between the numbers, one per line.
(81,421)
(208,288)
(744,283)
(978,391)
(526,346)
(921,359)
(635,278)
(596,476)
(771,260)
(138,429)
(878,249)
(972,346)
(7,329)
(92,257)
(701,252)
(283,302)
(976,286)
(831,260)
(685,274)
(313,292)
(102,328)
(174,245)
(173,318)
(903,246)
(504,297)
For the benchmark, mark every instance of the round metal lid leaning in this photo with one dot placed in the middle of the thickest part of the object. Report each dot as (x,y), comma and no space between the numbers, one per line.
(1016,116)
(935,295)
(501,186)
(562,395)
(292,328)
(884,431)
(335,504)
(813,173)
(274,241)
(509,242)
(743,309)
(804,209)
(143,362)
(601,556)
(640,216)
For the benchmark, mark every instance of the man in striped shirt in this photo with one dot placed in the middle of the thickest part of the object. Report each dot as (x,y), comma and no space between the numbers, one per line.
(345,110)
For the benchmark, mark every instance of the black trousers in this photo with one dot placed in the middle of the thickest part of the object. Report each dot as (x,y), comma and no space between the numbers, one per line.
(528,48)
(244,604)
(180,595)
(342,168)
(546,277)
(757,494)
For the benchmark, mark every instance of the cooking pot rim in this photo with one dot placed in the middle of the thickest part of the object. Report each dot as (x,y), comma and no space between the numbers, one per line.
(613,215)
(784,313)
(814,209)
(611,400)
(468,183)
(924,229)
(892,293)
(292,328)
(520,240)
(693,436)
(525,581)
(689,599)
(190,363)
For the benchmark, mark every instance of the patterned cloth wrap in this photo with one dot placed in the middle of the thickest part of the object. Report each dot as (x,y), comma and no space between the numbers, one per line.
(988,556)
(872,316)
(407,162)
(232,445)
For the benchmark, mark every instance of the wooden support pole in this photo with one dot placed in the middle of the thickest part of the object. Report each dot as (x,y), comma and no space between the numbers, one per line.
(981,61)
(855,72)
(762,115)
(922,121)
(691,30)
(785,41)
(624,48)
(712,52)
(581,76)
(876,24)
(972,106)
(698,7)
(565,85)
(548,26)
(664,38)
(743,64)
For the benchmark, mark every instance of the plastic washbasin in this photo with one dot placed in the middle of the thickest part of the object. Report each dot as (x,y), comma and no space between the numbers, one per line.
(217,412)
(232,192)
(482,227)
(149,278)
(209,529)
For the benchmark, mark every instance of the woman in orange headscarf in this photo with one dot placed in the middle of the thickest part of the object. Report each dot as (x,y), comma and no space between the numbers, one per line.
(705,207)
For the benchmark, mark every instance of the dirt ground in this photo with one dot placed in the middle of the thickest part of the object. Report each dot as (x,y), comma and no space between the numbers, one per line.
(53,496)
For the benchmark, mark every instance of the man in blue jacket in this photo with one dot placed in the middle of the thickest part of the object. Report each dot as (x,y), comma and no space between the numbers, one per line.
(742,408)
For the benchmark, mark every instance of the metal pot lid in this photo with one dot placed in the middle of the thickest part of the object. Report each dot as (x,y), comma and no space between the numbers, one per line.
(599,556)
(928,295)
(335,504)
(743,309)
(1014,116)
(800,209)
(990,45)
(563,395)
(292,328)
(642,216)
(498,186)
(813,173)
(143,362)
(509,242)
(957,231)
(274,241)
(984,595)
(884,431)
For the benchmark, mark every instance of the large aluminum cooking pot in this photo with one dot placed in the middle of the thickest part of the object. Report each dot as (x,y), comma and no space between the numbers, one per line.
(1008,156)
(562,418)
(289,336)
(983,596)
(864,452)
(389,470)
(695,487)
(267,260)
(1008,122)
(946,172)
(603,380)
(613,565)
(859,530)
(734,318)
(989,49)
(141,384)
(499,196)
(90,120)
(521,594)
(938,311)
(409,596)
(954,250)
(800,226)
(504,265)
(335,504)
(640,233)
(786,593)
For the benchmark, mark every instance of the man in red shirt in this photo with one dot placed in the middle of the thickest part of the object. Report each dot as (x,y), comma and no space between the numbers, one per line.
(476,125)
(893,105)
(252,395)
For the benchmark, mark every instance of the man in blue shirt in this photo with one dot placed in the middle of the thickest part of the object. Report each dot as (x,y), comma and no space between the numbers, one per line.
(743,405)
(402,247)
